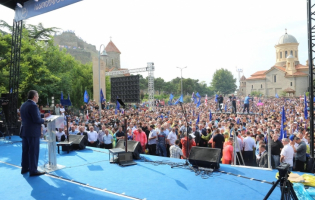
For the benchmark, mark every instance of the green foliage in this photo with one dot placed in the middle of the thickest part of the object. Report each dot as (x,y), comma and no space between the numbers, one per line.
(158,84)
(174,86)
(187,99)
(108,88)
(256,93)
(43,67)
(283,93)
(223,81)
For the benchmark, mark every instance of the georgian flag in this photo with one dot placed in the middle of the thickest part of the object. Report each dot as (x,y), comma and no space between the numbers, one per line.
(206,100)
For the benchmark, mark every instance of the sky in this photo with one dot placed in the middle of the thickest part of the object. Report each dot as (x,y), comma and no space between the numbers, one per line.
(204,35)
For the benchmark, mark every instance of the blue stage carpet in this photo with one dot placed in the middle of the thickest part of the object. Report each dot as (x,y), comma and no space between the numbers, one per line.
(142,181)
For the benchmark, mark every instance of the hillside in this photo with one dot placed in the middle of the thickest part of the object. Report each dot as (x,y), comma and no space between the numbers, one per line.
(76,47)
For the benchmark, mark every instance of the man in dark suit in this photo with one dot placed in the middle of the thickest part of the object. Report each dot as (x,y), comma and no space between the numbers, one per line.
(263,161)
(83,133)
(30,134)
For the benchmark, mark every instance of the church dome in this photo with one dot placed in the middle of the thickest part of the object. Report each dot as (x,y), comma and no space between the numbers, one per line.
(286,38)
(290,56)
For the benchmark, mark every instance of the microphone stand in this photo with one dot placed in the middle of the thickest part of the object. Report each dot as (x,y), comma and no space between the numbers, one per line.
(187,138)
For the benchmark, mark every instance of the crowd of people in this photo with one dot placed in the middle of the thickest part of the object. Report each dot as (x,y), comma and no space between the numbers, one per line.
(213,124)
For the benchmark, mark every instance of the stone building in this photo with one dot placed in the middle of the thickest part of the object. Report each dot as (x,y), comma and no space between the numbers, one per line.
(112,59)
(109,63)
(287,75)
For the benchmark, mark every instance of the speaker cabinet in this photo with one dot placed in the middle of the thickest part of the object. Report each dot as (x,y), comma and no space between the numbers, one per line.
(78,142)
(125,88)
(132,146)
(205,157)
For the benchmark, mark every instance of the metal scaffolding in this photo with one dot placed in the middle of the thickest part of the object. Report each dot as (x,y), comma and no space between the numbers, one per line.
(311,49)
(150,70)
(12,120)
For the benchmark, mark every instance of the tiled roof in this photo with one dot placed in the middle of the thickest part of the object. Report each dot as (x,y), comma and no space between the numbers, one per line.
(259,73)
(111,47)
(300,74)
(281,68)
(243,78)
(299,66)
(256,77)
(289,90)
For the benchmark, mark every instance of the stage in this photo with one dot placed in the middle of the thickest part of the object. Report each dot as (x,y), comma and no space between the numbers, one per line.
(89,175)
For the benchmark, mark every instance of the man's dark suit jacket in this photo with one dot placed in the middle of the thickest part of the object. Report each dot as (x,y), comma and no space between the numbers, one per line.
(263,161)
(85,137)
(198,137)
(31,120)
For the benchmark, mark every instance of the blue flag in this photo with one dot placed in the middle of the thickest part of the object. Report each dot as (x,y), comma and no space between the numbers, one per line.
(198,104)
(171,97)
(305,108)
(179,100)
(61,96)
(225,108)
(216,96)
(195,100)
(277,95)
(101,96)
(117,107)
(238,121)
(11,90)
(210,116)
(86,97)
(283,131)
(198,95)
(197,120)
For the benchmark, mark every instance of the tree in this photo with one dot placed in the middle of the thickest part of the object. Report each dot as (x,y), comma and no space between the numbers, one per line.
(158,84)
(143,82)
(256,93)
(223,81)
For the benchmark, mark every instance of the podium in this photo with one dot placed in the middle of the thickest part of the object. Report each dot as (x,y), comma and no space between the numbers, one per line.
(53,122)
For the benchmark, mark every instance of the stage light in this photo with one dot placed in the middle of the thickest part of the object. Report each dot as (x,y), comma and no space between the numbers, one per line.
(36,0)
(19,5)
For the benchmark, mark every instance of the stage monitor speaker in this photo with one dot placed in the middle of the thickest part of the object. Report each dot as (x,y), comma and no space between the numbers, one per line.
(205,157)
(78,142)
(132,146)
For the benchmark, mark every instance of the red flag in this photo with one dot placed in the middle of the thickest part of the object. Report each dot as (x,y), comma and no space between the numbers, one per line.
(87,115)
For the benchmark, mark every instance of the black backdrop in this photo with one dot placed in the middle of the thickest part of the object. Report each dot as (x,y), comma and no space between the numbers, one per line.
(125,88)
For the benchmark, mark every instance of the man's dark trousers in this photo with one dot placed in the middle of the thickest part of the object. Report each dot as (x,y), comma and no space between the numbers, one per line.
(30,153)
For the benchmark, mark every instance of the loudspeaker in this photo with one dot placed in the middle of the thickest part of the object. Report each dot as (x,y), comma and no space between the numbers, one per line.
(126,89)
(78,142)
(132,146)
(205,157)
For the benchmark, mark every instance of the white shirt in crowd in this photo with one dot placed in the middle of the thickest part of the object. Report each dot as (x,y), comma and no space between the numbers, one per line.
(249,143)
(62,110)
(172,137)
(59,134)
(92,136)
(240,145)
(288,154)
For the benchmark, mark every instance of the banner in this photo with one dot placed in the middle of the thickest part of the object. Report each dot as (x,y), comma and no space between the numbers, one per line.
(32,8)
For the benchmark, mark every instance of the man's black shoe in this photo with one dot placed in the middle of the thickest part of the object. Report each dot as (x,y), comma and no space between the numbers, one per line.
(38,173)
(23,171)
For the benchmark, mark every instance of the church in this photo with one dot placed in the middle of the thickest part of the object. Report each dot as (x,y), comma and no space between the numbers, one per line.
(286,76)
